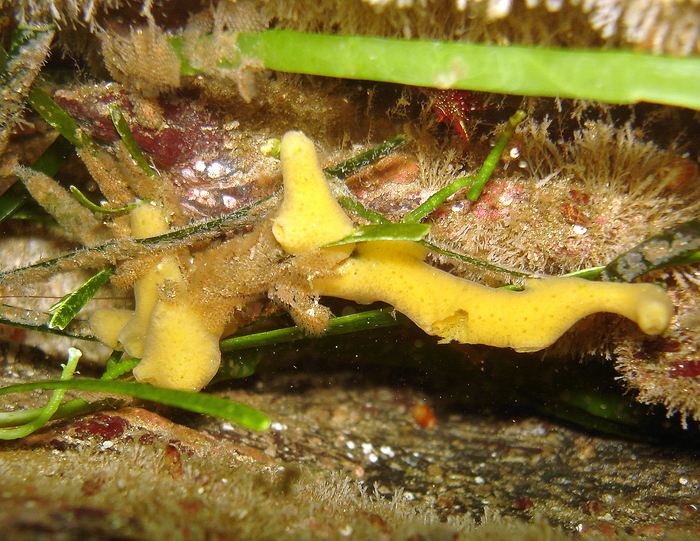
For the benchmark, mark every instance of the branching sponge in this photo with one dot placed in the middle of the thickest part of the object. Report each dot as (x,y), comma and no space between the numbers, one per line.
(440,303)
(176,331)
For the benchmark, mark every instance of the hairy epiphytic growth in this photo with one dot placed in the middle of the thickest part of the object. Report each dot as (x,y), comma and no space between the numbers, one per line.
(580,189)
(200,285)
(567,195)
(185,299)
(670,26)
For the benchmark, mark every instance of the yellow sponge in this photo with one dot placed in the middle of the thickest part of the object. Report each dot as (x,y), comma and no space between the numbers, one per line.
(309,216)
(461,310)
(180,351)
(438,302)
(177,349)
